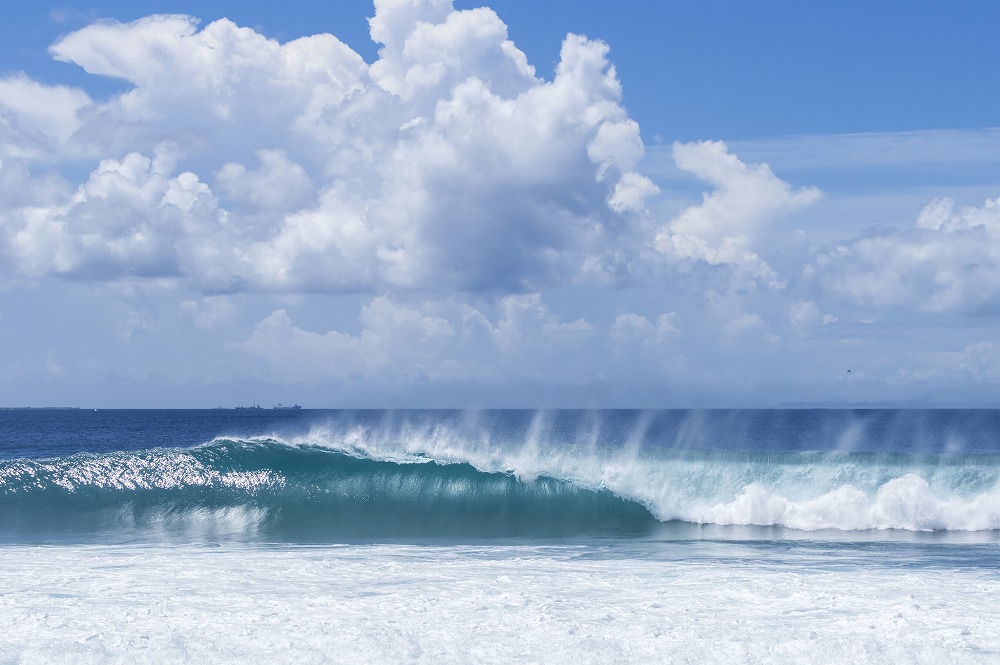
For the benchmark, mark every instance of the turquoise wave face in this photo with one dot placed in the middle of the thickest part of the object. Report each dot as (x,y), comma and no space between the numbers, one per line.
(271,492)
(348,486)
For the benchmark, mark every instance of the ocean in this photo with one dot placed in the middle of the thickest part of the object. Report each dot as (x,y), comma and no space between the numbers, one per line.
(566,536)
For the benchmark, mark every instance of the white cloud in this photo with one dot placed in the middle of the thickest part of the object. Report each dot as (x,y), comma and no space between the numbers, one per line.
(210,87)
(37,126)
(805,313)
(730,224)
(527,323)
(978,362)
(631,329)
(949,261)
(631,192)
(277,187)
(441,341)
(130,219)
(36,117)
(445,165)
(210,311)
(745,322)
(428,48)
(395,344)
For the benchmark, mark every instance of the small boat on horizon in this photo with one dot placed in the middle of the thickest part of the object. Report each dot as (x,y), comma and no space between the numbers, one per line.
(286,408)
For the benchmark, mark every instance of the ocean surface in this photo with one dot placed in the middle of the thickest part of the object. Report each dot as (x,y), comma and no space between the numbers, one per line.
(681,536)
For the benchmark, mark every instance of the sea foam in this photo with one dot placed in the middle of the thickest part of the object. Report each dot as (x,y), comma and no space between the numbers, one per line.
(406,604)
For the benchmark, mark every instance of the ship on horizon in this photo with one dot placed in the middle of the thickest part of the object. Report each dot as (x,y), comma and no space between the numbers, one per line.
(284,407)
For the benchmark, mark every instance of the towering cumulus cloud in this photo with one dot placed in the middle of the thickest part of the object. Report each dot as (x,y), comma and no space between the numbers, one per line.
(235,163)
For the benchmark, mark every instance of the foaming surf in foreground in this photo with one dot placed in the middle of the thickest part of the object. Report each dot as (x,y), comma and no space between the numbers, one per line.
(389,476)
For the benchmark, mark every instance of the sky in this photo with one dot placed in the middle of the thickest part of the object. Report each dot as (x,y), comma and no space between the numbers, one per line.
(437,203)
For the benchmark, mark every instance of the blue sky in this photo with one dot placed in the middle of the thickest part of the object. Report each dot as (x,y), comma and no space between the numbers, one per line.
(690,204)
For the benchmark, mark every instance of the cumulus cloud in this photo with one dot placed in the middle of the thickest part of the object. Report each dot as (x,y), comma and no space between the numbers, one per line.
(635,330)
(37,126)
(731,223)
(35,117)
(950,261)
(427,47)
(806,313)
(217,88)
(275,188)
(446,164)
(131,218)
(210,311)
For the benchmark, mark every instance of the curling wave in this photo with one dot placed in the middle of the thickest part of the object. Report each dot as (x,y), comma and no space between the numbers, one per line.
(329,487)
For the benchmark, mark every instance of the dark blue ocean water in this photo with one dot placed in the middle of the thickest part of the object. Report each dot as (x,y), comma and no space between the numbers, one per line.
(35,433)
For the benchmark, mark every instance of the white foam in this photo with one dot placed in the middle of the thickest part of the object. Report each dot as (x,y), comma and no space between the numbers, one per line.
(404,604)
(902,503)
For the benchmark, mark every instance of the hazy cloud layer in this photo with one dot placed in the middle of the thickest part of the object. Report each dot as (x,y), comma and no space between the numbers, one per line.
(431,341)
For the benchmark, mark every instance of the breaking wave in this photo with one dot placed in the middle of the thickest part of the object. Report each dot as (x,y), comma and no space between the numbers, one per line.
(357,483)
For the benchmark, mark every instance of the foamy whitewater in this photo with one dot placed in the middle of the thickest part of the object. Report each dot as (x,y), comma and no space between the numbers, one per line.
(452,536)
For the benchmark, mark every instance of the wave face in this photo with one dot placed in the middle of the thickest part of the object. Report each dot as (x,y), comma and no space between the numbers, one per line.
(348,476)
(270,491)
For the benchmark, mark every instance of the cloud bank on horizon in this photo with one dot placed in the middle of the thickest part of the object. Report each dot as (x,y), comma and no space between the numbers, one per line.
(462,196)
